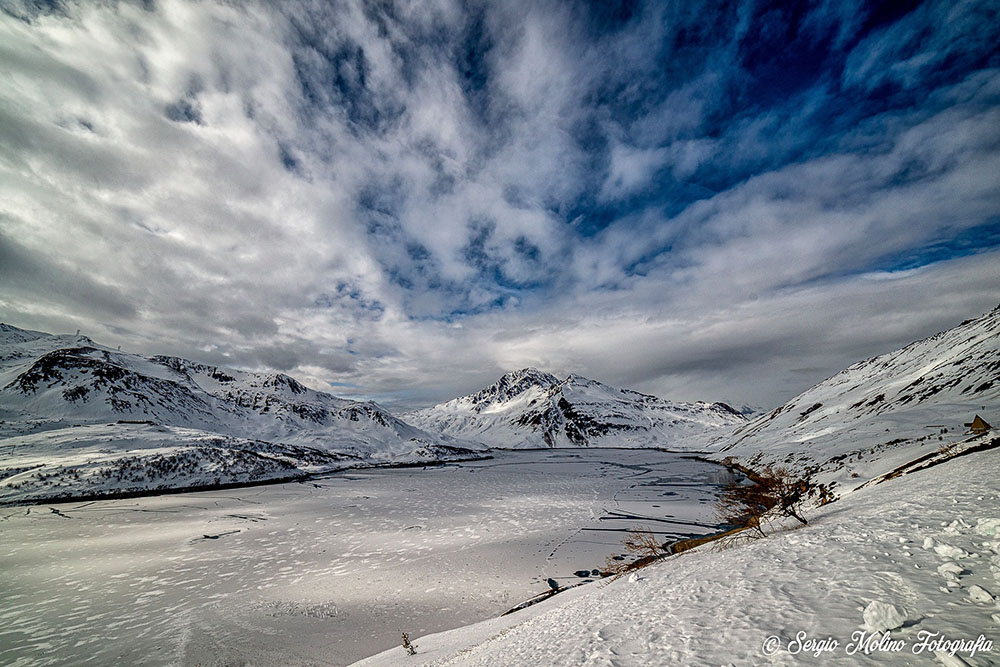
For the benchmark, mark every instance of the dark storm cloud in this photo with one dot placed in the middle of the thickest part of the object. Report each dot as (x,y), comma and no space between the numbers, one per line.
(408,199)
(28,276)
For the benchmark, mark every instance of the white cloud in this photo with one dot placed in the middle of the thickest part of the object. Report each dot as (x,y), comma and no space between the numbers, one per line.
(326,193)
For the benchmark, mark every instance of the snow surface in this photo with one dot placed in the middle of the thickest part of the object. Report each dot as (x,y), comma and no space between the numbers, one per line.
(705,607)
(328,570)
(532,409)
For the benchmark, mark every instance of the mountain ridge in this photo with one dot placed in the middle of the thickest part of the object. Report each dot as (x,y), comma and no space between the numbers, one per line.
(529,408)
(882,412)
(82,419)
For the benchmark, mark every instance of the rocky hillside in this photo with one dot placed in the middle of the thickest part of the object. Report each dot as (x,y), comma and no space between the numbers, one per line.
(885,412)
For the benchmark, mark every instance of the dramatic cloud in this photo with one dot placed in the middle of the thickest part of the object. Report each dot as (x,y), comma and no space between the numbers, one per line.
(404,200)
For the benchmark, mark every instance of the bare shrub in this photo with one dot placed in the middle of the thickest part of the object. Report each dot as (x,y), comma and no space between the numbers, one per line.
(735,538)
(411,649)
(644,547)
(774,493)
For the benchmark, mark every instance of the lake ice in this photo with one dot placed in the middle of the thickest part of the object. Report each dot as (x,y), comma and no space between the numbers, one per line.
(331,570)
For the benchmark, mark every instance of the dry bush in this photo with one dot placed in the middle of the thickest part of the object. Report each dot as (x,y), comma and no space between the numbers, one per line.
(411,648)
(643,543)
(735,538)
(644,547)
(774,493)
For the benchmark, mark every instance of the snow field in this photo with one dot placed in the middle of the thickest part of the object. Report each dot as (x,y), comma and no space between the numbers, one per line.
(329,570)
(874,559)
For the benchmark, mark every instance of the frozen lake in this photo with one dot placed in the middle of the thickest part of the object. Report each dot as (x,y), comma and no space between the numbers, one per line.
(328,571)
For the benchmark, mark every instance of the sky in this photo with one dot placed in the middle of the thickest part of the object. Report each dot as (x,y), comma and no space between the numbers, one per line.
(401,201)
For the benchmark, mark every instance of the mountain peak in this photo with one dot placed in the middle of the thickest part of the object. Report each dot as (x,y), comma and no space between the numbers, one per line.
(532,408)
(574,378)
(513,384)
(533,374)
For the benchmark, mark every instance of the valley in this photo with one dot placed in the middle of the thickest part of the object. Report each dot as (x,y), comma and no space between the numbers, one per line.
(329,570)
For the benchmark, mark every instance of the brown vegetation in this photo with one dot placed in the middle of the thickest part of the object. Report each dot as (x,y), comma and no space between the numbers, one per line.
(645,548)
(772,494)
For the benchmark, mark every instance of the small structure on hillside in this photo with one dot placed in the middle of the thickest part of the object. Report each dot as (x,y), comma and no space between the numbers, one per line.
(978,426)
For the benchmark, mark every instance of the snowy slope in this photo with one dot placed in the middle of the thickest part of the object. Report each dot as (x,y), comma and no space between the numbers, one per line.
(51,383)
(883,412)
(114,459)
(928,544)
(529,408)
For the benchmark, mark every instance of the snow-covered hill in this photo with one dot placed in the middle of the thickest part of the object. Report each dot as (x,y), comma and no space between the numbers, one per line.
(885,412)
(49,384)
(529,408)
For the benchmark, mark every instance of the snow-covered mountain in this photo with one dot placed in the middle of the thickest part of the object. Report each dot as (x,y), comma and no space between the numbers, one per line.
(529,408)
(52,383)
(885,412)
